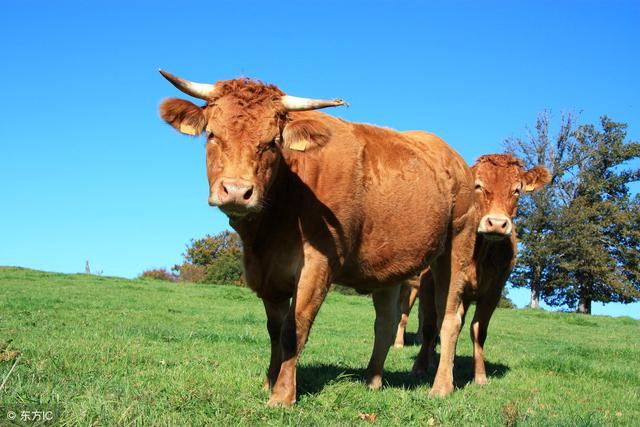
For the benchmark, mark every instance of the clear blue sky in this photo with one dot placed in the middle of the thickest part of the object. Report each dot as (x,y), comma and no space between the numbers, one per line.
(89,171)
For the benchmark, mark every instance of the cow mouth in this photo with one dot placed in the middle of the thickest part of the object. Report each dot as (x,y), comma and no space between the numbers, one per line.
(494,237)
(237,211)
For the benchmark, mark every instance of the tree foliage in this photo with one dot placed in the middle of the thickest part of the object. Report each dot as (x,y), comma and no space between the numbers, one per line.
(580,237)
(536,210)
(213,259)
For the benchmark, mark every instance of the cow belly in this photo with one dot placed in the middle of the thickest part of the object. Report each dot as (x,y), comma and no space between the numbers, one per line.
(406,218)
(396,247)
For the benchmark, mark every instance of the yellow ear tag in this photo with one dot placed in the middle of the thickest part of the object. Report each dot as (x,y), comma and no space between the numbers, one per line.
(299,145)
(529,188)
(189,130)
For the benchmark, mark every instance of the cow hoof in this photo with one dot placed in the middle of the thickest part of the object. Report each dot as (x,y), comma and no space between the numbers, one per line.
(439,392)
(375,382)
(278,402)
(481,380)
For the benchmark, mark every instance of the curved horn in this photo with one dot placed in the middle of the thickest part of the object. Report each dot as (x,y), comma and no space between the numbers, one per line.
(197,90)
(293,103)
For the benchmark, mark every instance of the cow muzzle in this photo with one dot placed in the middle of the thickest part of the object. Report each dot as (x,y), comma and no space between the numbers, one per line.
(495,227)
(234,197)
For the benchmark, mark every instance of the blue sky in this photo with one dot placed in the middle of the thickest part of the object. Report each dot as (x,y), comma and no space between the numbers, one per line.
(89,171)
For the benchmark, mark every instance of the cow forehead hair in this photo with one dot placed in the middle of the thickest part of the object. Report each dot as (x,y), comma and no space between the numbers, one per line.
(247,91)
(500,160)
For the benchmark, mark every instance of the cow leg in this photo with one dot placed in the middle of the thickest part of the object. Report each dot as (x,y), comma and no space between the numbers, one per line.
(385,302)
(310,293)
(479,325)
(405,303)
(426,359)
(451,272)
(276,312)
(419,333)
(449,309)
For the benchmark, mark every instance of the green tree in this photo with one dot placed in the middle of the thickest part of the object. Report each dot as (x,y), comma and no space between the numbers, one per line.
(214,259)
(597,235)
(535,220)
(580,238)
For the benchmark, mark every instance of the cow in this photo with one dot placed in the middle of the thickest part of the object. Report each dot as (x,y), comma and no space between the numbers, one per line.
(500,179)
(408,295)
(316,199)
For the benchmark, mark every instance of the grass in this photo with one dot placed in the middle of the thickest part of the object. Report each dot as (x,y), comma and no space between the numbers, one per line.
(109,351)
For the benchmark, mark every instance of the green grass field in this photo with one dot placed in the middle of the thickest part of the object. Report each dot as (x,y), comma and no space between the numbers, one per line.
(108,351)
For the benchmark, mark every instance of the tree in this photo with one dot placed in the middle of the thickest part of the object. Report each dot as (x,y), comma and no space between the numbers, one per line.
(213,259)
(597,237)
(536,210)
(580,237)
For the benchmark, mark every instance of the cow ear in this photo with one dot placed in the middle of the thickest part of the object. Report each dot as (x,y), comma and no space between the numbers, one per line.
(536,178)
(305,135)
(183,115)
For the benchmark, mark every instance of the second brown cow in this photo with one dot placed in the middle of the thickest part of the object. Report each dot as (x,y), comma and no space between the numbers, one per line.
(499,181)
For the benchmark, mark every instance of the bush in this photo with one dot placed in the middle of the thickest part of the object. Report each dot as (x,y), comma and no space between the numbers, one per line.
(345,290)
(190,272)
(227,268)
(158,274)
(204,251)
(505,301)
(213,259)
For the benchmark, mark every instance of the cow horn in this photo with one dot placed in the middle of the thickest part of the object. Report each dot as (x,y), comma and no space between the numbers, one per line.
(294,103)
(197,90)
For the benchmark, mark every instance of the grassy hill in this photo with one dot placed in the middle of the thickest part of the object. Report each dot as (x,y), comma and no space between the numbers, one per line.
(109,351)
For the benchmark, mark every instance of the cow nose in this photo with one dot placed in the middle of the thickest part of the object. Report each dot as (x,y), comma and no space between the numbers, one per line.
(495,225)
(235,192)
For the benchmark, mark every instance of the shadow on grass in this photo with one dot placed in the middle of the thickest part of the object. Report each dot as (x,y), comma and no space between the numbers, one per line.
(463,371)
(312,379)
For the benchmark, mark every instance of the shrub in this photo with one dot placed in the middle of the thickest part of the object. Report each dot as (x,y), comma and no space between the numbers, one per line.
(158,274)
(205,250)
(188,272)
(226,268)
(505,301)
(213,259)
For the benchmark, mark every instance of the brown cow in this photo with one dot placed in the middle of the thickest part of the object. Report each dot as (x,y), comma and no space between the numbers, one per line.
(408,295)
(316,200)
(499,181)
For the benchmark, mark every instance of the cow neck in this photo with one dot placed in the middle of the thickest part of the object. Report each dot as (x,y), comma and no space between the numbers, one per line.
(494,250)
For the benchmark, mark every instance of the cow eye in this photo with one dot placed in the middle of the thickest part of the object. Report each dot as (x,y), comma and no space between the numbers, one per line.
(276,141)
(516,191)
(478,187)
(269,146)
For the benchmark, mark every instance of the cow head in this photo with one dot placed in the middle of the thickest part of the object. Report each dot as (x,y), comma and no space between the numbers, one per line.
(500,179)
(244,121)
